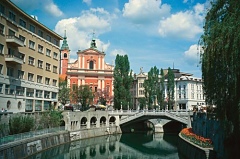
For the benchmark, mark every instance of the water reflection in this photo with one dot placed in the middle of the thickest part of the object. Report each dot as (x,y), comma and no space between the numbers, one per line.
(126,146)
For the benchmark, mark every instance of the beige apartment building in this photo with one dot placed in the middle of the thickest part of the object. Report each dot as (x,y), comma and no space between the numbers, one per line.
(29,62)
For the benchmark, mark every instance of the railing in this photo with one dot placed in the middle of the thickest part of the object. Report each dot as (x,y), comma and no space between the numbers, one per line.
(31,134)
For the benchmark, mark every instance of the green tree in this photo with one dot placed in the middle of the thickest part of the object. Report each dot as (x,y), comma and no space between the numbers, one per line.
(162,90)
(152,86)
(221,65)
(170,88)
(50,119)
(142,102)
(20,124)
(85,96)
(122,82)
(64,91)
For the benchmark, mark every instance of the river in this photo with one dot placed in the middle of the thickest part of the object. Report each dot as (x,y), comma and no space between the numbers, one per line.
(121,146)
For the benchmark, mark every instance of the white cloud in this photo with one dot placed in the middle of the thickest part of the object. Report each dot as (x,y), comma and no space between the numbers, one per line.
(185,1)
(142,11)
(117,51)
(46,5)
(88,2)
(80,29)
(183,24)
(53,9)
(192,55)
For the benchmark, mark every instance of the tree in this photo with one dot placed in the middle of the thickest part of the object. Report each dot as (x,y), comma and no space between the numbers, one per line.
(122,82)
(64,91)
(162,90)
(170,88)
(50,119)
(152,86)
(220,66)
(20,124)
(84,96)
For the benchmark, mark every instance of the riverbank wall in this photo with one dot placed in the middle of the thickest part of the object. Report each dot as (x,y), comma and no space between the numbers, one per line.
(191,150)
(30,146)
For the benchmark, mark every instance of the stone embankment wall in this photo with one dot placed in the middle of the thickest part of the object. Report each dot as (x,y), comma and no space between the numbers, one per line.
(94,132)
(27,147)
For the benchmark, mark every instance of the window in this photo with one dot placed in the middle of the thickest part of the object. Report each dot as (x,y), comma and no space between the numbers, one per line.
(12,16)
(38,105)
(20,74)
(30,60)
(11,32)
(30,76)
(39,79)
(9,89)
(1,48)
(1,69)
(10,71)
(54,83)
(141,92)
(54,95)
(54,69)
(55,55)
(39,93)
(22,38)
(2,9)
(1,88)
(65,55)
(10,51)
(47,81)
(47,94)
(29,105)
(22,23)
(48,66)
(91,65)
(30,92)
(1,29)
(55,42)
(19,91)
(32,28)
(48,38)
(31,44)
(48,52)
(40,64)
(22,56)
(40,33)
(140,85)
(40,48)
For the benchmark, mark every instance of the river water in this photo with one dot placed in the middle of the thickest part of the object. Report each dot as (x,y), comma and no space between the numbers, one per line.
(121,146)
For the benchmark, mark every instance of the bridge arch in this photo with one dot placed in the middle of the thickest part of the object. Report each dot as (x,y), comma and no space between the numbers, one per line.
(112,120)
(102,149)
(93,121)
(83,122)
(103,121)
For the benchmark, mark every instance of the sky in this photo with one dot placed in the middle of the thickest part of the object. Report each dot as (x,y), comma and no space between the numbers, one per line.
(161,33)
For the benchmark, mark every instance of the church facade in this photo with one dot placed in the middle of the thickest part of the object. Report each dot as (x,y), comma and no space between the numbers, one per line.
(88,69)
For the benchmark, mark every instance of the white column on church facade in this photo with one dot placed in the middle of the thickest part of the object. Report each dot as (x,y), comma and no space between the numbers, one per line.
(102,63)
(99,63)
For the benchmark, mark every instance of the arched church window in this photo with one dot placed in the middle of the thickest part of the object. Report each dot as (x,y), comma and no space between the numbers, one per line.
(91,65)
(65,55)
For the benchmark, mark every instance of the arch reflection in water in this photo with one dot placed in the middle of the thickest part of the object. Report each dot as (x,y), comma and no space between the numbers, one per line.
(126,146)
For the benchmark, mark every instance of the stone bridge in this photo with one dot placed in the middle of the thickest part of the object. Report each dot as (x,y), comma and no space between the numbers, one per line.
(75,121)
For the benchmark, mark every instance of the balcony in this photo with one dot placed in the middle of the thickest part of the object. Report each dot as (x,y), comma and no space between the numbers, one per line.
(14,40)
(13,58)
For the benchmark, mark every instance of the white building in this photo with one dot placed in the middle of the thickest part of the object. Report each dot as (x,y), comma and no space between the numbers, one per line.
(188,90)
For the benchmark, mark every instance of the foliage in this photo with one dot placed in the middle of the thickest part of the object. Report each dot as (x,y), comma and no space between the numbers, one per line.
(152,87)
(50,119)
(162,89)
(20,124)
(188,134)
(64,91)
(83,94)
(142,102)
(122,82)
(170,88)
(220,63)
(102,96)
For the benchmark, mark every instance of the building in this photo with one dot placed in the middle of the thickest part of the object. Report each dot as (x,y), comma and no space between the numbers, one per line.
(188,90)
(88,69)
(29,61)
